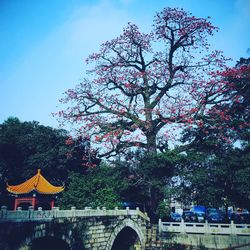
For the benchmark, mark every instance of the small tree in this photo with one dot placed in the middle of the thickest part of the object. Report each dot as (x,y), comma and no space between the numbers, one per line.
(143,86)
(163,210)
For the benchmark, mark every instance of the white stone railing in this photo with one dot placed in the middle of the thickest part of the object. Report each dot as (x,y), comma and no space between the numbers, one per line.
(47,215)
(204,228)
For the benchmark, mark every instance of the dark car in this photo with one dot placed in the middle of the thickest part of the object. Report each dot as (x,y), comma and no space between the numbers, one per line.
(215,217)
(239,218)
(189,216)
(132,205)
(175,217)
(210,210)
(200,216)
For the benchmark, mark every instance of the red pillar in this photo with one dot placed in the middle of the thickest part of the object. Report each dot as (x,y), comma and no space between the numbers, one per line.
(52,204)
(33,202)
(15,206)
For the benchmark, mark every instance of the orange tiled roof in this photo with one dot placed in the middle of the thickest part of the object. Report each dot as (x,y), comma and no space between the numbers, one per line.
(37,183)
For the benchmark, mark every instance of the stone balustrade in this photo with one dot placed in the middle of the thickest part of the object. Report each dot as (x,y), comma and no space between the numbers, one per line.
(204,228)
(47,215)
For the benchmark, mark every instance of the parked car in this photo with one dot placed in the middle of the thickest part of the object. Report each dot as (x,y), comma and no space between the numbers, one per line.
(239,218)
(215,217)
(175,217)
(189,216)
(211,210)
(200,217)
(132,205)
(198,209)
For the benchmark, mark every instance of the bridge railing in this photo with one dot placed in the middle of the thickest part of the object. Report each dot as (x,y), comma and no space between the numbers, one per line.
(204,228)
(35,215)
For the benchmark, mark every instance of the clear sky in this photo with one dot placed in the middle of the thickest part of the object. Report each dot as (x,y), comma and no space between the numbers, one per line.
(44,43)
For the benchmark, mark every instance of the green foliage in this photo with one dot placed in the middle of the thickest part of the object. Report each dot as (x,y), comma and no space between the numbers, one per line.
(27,146)
(163,210)
(106,197)
(147,177)
(210,179)
(221,176)
(98,187)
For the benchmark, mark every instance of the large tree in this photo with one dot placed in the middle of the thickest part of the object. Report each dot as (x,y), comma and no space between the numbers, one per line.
(26,146)
(143,86)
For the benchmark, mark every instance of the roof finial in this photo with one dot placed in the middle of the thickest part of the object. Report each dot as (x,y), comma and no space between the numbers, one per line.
(39,171)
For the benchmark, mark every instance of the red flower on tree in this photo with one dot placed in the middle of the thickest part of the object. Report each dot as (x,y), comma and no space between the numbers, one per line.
(143,85)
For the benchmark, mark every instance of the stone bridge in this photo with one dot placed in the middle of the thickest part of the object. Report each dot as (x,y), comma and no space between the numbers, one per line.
(96,229)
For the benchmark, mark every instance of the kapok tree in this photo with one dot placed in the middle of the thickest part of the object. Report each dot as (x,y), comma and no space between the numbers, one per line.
(141,87)
(227,121)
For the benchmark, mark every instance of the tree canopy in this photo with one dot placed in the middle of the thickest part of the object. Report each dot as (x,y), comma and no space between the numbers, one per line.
(27,146)
(217,169)
(229,122)
(101,186)
(143,86)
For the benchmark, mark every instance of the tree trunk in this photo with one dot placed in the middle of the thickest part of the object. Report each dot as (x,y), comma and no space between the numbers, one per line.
(151,142)
(226,212)
(153,201)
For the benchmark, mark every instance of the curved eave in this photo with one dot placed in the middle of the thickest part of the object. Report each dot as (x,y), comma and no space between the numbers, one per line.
(9,189)
(36,183)
(56,192)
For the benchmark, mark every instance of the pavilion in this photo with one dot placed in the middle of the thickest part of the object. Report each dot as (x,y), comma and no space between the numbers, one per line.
(35,192)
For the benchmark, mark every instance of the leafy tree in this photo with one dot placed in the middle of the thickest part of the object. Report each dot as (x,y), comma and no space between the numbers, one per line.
(27,146)
(223,180)
(147,177)
(232,174)
(142,87)
(109,186)
(214,180)
(240,100)
(101,186)
(80,155)
(106,197)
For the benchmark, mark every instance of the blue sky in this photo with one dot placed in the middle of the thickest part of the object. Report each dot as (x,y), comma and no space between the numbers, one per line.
(43,44)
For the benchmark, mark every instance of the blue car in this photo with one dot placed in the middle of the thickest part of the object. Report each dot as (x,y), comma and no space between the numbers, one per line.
(175,217)
(215,217)
(189,216)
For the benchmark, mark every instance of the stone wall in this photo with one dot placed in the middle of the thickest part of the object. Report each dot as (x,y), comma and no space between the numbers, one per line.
(211,241)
